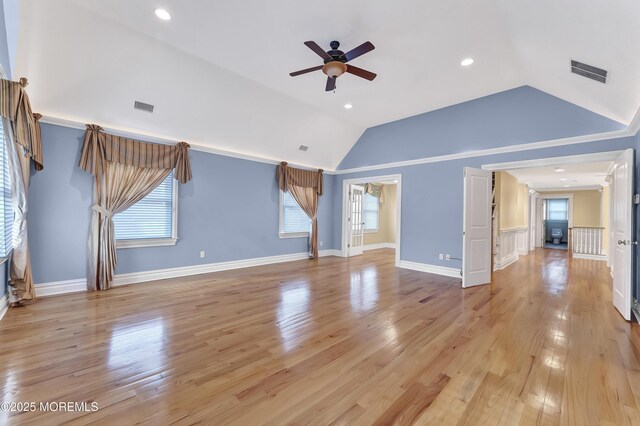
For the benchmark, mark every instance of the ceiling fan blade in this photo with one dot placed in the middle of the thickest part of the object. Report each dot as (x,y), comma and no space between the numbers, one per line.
(331,84)
(293,74)
(361,73)
(314,46)
(365,47)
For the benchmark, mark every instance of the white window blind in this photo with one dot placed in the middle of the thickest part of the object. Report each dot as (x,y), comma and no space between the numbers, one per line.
(557,209)
(6,205)
(371,212)
(293,219)
(151,217)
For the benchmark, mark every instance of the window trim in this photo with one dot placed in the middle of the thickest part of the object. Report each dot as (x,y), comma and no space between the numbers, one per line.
(281,232)
(7,140)
(377,228)
(157,242)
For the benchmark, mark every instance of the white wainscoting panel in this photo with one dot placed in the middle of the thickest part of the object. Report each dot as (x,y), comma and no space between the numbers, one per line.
(512,243)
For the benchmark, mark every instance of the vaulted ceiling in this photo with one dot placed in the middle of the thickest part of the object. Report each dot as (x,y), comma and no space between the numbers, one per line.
(217,72)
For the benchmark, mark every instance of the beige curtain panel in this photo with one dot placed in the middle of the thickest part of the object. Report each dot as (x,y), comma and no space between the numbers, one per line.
(23,145)
(125,172)
(305,186)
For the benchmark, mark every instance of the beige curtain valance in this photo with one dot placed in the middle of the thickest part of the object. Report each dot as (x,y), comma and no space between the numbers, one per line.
(100,147)
(15,105)
(375,189)
(288,176)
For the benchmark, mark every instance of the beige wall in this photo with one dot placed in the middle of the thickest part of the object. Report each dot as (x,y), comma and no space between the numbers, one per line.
(586,207)
(511,202)
(386,220)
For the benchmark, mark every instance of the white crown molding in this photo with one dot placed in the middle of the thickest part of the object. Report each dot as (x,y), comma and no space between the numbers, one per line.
(631,130)
(73,124)
(494,151)
(431,269)
(574,188)
(80,284)
(4,305)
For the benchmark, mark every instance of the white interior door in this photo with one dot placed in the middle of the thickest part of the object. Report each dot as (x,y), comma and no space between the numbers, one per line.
(476,245)
(356,219)
(622,230)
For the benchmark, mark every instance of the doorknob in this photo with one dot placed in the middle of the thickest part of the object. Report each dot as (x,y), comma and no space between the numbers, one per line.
(623,242)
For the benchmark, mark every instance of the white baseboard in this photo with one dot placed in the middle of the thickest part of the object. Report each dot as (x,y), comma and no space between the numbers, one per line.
(378,246)
(523,252)
(432,269)
(80,284)
(4,305)
(61,287)
(589,256)
(503,263)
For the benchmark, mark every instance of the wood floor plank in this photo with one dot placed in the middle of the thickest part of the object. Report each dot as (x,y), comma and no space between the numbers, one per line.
(332,341)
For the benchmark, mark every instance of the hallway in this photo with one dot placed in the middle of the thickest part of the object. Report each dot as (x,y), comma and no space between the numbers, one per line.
(339,340)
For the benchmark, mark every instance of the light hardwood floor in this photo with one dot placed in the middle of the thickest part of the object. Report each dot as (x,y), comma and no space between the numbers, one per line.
(333,341)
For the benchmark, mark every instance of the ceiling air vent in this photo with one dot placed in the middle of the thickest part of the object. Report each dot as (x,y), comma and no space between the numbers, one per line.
(142,106)
(589,71)
(303,148)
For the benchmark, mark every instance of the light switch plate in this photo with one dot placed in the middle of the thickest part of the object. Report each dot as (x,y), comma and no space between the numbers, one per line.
(636,198)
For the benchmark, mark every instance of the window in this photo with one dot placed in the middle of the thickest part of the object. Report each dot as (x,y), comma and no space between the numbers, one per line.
(294,222)
(557,209)
(152,221)
(6,204)
(371,209)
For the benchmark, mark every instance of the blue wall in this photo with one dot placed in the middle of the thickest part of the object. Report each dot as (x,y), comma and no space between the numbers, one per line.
(433,194)
(512,117)
(59,213)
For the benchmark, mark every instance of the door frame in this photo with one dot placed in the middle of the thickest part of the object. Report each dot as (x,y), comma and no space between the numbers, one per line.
(350,223)
(345,208)
(557,161)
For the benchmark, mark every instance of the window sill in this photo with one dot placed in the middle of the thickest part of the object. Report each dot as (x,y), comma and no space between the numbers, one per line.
(146,242)
(370,231)
(294,235)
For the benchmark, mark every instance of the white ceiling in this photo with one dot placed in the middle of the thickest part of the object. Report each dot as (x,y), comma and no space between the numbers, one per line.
(576,176)
(218,71)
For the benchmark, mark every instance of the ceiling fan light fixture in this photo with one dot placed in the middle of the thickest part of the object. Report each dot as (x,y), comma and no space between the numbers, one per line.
(334,69)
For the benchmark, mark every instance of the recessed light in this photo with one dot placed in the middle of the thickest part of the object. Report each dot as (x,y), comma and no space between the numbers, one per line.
(348,106)
(563,179)
(466,62)
(567,186)
(163,14)
(558,169)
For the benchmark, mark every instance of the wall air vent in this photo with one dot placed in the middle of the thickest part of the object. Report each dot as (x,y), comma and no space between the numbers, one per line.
(142,106)
(303,148)
(589,71)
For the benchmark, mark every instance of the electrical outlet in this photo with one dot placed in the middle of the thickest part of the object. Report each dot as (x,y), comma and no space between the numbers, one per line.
(441,256)
(448,257)
(202,253)
(321,242)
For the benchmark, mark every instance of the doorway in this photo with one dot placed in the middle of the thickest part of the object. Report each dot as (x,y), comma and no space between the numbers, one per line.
(371,214)
(591,232)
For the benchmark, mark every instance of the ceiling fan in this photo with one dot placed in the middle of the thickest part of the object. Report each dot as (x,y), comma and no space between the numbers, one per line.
(335,62)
